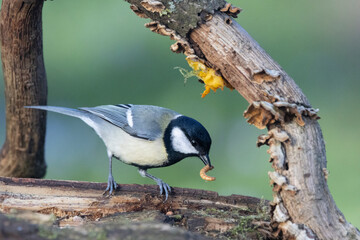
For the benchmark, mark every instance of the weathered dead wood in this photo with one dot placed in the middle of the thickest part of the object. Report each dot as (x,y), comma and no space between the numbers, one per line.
(78,203)
(26,225)
(244,63)
(303,206)
(240,59)
(22,154)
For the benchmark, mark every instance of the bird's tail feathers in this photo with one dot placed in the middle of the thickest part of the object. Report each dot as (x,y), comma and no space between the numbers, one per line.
(66,111)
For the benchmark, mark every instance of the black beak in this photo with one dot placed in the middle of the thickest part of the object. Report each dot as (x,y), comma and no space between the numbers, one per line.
(205,159)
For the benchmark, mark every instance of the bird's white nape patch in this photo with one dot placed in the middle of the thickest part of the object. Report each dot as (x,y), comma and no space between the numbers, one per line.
(181,143)
(129,118)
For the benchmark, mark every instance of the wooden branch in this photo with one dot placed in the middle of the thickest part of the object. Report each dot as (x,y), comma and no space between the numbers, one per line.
(80,203)
(246,66)
(303,207)
(22,154)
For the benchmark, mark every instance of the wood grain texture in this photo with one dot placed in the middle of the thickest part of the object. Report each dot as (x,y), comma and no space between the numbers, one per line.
(313,205)
(78,203)
(22,154)
(257,77)
(239,58)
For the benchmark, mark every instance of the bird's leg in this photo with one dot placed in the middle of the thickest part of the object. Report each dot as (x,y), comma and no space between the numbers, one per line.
(111,186)
(164,187)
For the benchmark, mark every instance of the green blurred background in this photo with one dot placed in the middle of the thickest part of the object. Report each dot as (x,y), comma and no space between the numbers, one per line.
(98,52)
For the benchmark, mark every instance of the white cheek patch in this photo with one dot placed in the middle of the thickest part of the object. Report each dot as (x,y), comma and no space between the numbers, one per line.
(129,118)
(181,143)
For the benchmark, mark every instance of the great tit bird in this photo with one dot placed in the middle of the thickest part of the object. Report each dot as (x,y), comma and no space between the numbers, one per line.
(144,136)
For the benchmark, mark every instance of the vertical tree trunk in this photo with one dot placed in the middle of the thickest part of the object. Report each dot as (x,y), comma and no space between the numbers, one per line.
(22,154)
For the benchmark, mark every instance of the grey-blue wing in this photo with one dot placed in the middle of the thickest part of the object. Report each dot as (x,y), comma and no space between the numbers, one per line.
(142,121)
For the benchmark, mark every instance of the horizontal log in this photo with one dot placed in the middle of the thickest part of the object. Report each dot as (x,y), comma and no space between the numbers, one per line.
(75,203)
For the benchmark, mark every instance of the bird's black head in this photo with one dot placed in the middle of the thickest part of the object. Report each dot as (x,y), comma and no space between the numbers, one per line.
(185,137)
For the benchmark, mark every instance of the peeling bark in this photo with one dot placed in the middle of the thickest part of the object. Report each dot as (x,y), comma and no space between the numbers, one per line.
(303,207)
(22,154)
(238,57)
(81,206)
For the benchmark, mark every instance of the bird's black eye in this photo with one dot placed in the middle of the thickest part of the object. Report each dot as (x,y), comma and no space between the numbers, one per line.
(194,143)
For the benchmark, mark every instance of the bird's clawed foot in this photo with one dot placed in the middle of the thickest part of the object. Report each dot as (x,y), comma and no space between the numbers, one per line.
(164,188)
(111,186)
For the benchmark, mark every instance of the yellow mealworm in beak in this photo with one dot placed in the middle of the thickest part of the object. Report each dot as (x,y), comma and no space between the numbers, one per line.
(203,172)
